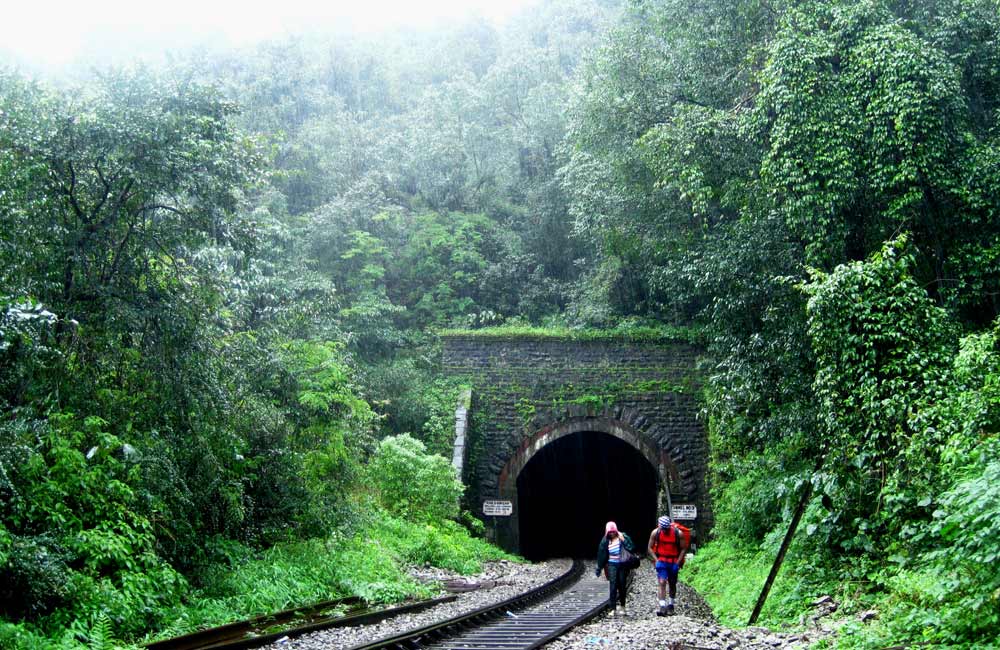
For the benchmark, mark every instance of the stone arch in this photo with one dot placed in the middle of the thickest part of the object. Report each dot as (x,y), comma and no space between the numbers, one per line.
(666,467)
(532,390)
(675,477)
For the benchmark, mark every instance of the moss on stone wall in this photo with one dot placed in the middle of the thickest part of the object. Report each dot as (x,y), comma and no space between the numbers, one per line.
(638,334)
(525,379)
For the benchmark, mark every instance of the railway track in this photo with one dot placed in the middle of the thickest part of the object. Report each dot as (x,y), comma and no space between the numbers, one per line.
(523,622)
(262,630)
(537,625)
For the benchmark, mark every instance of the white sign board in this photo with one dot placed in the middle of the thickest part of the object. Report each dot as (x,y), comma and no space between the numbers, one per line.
(684,512)
(497,508)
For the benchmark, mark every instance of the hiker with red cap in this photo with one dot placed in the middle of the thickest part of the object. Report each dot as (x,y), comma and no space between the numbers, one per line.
(610,559)
(668,544)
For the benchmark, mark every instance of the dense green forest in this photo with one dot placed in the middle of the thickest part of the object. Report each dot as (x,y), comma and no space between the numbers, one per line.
(221,278)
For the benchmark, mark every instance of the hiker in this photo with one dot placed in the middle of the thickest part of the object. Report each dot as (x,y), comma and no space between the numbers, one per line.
(611,558)
(668,544)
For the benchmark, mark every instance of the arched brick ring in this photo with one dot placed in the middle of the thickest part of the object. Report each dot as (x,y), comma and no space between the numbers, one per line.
(670,470)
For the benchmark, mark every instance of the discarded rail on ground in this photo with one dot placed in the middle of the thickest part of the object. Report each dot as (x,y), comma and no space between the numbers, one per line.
(262,630)
(523,622)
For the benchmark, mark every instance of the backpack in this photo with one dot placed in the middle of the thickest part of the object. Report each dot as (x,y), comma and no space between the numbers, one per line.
(681,539)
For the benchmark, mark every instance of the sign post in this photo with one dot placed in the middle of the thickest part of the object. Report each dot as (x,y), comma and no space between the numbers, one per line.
(498,508)
(684,512)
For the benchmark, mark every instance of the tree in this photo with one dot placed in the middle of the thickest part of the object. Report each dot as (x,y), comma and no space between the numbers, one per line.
(883,352)
(718,150)
(413,483)
(134,180)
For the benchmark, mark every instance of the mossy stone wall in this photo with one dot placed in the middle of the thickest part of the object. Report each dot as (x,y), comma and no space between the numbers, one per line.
(645,391)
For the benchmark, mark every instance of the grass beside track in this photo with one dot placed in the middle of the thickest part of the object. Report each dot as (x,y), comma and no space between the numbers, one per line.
(369,562)
(730,579)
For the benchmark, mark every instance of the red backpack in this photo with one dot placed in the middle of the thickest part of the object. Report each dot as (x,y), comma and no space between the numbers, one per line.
(669,542)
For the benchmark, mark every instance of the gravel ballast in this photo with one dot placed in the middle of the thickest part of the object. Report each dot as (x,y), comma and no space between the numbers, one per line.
(513,579)
(692,625)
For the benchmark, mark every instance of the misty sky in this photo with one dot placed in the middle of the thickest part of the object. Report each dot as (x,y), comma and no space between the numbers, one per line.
(58,32)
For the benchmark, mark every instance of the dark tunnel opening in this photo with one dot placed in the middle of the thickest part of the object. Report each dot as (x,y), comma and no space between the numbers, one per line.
(574,485)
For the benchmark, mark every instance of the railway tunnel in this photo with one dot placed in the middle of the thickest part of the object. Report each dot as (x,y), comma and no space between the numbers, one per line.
(574,485)
(556,435)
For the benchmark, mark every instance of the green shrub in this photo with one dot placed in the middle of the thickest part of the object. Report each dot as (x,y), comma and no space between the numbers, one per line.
(18,636)
(34,577)
(745,506)
(730,576)
(883,353)
(444,544)
(98,554)
(368,559)
(952,592)
(412,483)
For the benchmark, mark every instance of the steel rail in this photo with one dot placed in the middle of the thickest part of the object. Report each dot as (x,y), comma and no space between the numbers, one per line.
(237,629)
(498,627)
(253,632)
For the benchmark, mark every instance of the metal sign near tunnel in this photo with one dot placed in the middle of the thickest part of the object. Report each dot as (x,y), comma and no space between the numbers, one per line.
(684,512)
(498,508)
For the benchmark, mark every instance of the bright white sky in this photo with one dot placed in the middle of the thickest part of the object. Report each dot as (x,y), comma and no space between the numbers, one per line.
(57,32)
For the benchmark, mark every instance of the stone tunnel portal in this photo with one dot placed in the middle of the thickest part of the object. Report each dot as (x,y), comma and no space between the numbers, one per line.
(572,486)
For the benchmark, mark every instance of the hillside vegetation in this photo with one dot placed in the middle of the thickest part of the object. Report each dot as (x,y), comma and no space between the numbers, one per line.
(221,281)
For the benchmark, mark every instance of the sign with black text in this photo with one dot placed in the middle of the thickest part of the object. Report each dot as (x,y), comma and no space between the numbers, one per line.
(497,508)
(684,511)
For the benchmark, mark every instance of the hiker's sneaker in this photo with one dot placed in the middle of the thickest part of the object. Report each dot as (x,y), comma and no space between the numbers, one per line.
(661,611)
(614,612)
(670,610)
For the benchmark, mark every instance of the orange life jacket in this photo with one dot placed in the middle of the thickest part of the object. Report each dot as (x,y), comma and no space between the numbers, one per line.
(668,543)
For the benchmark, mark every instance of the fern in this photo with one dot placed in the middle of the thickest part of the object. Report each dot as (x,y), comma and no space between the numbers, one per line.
(100,637)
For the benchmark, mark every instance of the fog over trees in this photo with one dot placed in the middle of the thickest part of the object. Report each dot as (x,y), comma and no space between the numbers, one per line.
(223,276)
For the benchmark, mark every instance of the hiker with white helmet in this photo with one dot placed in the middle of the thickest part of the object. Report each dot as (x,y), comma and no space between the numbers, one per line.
(668,544)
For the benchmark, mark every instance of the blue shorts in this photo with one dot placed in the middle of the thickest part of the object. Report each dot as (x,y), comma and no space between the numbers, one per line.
(666,570)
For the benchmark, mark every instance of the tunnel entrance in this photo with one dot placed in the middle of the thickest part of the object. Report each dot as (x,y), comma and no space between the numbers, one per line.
(574,485)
